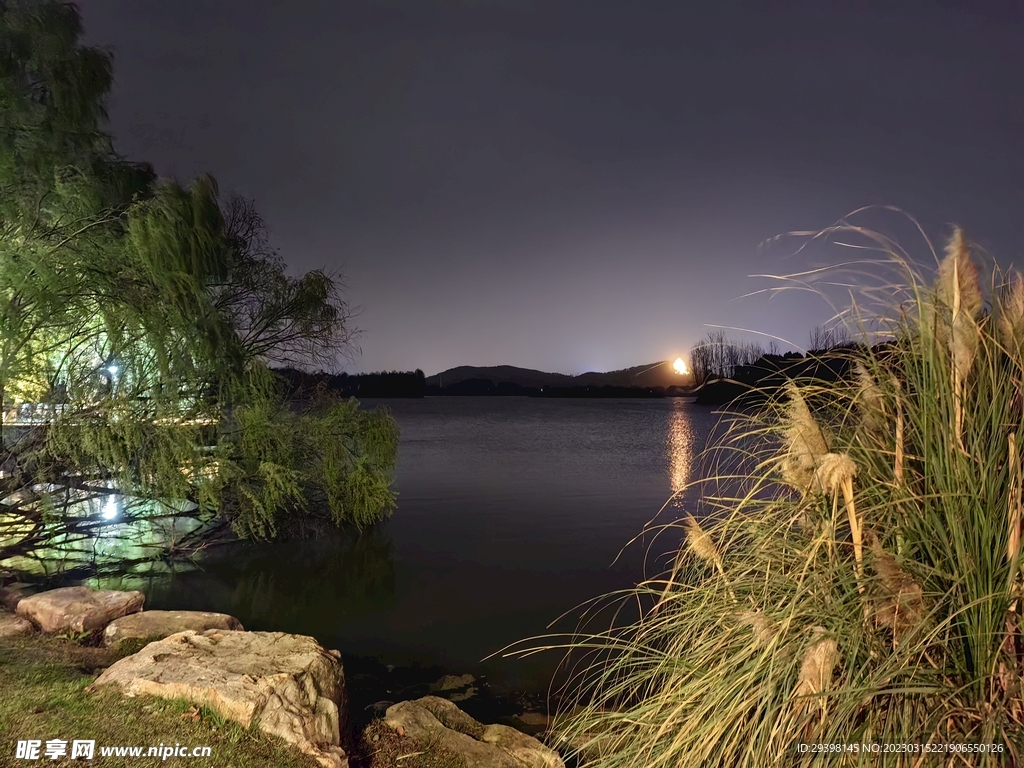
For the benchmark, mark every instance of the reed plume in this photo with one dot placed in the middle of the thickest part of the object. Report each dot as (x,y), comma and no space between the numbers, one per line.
(1010,321)
(898,604)
(957,285)
(701,545)
(764,630)
(834,473)
(958,290)
(870,399)
(816,669)
(804,442)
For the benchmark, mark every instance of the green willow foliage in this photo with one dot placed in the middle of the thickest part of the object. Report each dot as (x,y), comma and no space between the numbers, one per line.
(143,315)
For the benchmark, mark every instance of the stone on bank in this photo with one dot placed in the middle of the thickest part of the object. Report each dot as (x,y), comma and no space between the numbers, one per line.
(11,625)
(287,683)
(156,625)
(433,723)
(78,609)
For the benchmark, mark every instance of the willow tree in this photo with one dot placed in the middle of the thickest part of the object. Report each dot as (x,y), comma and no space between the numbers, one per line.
(138,322)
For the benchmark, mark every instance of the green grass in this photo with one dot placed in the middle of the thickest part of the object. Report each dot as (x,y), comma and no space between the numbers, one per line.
(854,574)
(45,694)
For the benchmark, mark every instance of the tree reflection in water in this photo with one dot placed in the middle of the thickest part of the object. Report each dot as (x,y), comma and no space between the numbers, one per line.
(308,586)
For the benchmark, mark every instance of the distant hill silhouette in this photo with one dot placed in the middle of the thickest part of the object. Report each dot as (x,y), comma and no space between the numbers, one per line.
(500,374)
(652,375)
(655,380)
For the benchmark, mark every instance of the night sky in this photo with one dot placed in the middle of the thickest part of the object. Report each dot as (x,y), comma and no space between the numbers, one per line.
(575,186)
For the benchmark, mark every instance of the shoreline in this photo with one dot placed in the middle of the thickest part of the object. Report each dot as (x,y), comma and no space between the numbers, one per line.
(371,688)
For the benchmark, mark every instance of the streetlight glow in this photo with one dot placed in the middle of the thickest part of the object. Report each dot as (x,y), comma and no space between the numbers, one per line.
(109,508)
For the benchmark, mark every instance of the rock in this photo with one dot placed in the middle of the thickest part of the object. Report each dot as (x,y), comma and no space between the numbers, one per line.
(433,723)
(156,625)
(378,708)
(11,595)
(453,682)
(534,719)
(460,683)
(525,749)
(456,687)
(11,625)
(287,684)
(78,609)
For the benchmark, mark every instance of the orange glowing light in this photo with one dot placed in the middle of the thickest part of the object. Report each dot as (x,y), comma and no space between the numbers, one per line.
(680,366)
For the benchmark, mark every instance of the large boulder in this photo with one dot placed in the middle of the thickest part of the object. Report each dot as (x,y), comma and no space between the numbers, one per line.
(156,625)
(78,609)
(288,684)
(433,723)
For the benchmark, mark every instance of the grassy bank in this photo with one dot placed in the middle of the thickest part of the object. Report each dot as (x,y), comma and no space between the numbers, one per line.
(45,694)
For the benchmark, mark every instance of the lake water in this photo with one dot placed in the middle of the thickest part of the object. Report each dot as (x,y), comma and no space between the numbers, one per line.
(510,512)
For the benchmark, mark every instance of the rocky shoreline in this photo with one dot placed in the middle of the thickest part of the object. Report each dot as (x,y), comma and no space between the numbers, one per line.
(324,705)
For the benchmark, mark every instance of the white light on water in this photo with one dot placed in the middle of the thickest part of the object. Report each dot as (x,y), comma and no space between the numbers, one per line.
(109,508)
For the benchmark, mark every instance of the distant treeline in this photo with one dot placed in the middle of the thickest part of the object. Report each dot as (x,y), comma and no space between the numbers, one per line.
(300,384)
(486,387)
(717,356)
(763,378)
(727,371)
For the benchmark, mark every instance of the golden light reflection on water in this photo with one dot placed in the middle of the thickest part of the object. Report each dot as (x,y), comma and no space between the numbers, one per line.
(680,445)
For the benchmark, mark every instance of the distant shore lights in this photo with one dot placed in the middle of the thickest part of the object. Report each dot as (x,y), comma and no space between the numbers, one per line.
(680,366)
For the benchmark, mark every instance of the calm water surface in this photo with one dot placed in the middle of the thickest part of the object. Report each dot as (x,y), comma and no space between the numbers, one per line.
(510,513)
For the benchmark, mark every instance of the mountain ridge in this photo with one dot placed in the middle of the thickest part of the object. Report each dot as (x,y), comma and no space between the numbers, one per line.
(659,374)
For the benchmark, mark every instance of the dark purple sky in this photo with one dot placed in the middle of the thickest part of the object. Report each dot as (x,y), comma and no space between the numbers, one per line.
(579,185)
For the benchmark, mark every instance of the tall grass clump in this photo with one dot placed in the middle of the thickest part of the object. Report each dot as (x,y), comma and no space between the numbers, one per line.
(859,581)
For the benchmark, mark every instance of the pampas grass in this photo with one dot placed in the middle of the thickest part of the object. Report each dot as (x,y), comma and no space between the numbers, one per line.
(1010,321)
(1014,513)
(870,399)
(898,604)
(902,629)
(834,472)
(803,440)
(898,451)
(700,543)
(764,630)
(958,292)
(816,668)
